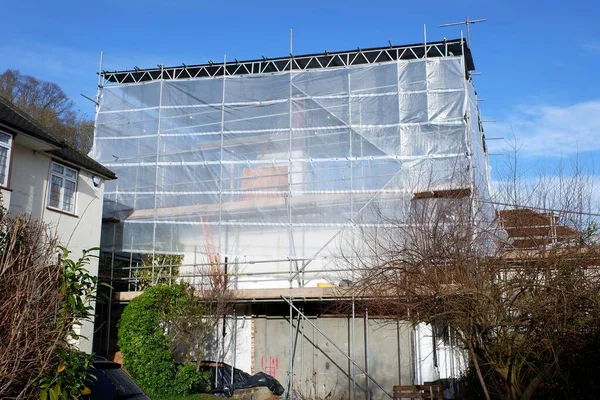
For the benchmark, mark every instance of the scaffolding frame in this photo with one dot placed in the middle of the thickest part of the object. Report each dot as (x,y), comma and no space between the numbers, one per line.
(264,65)
(291,65)
(360,195)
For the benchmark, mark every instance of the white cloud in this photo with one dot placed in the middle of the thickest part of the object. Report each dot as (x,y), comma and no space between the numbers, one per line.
(534,191)
(550,131)
(592,47)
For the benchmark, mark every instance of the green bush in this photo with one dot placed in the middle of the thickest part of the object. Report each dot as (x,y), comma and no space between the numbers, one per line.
(78,287)
(190,380)
(70,379)
(147,349)
(187,397)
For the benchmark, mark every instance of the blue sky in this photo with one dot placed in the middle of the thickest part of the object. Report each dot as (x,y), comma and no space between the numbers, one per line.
(539,63)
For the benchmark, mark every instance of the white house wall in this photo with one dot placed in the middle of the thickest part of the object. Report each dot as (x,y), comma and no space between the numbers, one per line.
(29,177)
(237,348)
(29,185)
(449,362)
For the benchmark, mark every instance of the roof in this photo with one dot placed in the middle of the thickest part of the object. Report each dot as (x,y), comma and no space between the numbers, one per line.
(13,117)
(529,229)
(444,48)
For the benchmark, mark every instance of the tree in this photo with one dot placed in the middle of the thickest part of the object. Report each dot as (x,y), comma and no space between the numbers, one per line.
(48,104)
(214,287)
(449,260)
(158,269)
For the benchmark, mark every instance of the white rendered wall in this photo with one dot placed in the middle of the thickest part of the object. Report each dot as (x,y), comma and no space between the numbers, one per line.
(451,360)
(29,184)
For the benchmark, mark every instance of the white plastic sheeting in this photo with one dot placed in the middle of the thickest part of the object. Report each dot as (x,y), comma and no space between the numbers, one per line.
(273,166)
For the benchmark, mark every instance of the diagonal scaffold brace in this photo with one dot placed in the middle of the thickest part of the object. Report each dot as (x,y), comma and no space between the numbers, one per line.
(361,369)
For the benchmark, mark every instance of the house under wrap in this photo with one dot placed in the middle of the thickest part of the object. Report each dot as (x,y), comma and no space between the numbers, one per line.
(265,165)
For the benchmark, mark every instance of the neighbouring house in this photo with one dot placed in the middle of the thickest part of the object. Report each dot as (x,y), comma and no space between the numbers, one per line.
(44,177)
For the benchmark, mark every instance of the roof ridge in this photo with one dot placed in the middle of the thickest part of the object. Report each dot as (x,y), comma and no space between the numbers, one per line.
(24,114)
(30,126)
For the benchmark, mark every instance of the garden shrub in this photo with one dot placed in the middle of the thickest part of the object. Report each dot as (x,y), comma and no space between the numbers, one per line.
(147,349)
(44,296)
(78,287)
(190,380)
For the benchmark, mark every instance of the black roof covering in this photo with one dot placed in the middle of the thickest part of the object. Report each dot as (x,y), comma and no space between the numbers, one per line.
(267,65)
(14,117)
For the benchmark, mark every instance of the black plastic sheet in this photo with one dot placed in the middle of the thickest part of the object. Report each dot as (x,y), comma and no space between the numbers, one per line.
(221,383)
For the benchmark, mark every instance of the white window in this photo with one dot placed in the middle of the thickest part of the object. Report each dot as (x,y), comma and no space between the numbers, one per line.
(5,148)
(63,188)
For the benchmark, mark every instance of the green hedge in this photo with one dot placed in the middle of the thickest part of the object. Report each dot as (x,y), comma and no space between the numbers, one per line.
(146,348)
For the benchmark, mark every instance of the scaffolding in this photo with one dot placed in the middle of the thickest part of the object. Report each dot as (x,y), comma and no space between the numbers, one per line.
(264,165)
(276,158)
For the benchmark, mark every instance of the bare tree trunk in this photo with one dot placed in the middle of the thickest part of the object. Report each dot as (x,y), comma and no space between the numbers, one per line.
(478,370)
(533,384)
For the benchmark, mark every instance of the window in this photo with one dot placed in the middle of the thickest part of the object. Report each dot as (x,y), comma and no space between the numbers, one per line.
(63,188)
(5,148)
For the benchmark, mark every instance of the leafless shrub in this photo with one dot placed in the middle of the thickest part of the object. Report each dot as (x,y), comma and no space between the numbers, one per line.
(29,299)
(214,288)
(447,259)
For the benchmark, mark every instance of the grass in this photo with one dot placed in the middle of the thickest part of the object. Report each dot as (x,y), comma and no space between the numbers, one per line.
(188,397)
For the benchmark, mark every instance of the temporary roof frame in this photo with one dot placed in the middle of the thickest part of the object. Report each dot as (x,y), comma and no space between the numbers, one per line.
(444,48)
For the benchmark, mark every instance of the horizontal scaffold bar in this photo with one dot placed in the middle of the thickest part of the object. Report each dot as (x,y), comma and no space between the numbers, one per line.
(268,294)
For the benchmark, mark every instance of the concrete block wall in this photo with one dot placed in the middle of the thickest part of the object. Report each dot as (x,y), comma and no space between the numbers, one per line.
(321,370)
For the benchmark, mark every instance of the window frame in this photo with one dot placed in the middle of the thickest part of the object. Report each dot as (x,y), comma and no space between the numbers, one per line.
(64,177)
(8,147)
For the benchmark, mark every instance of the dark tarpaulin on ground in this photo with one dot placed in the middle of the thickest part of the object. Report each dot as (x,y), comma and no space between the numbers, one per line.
(220,373)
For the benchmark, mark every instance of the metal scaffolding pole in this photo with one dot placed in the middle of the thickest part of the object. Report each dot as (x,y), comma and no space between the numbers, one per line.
(367,353)
(361,369)
(195,266)
(399,352)
(155,208)
(353,372)
(289,172)
(218,355)
(110,290)
(110,297)
(290,376)
(234,344)
(130,269)
(295,341)
(221,150)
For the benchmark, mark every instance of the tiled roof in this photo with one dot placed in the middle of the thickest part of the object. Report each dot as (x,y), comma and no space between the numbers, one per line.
(528,229)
